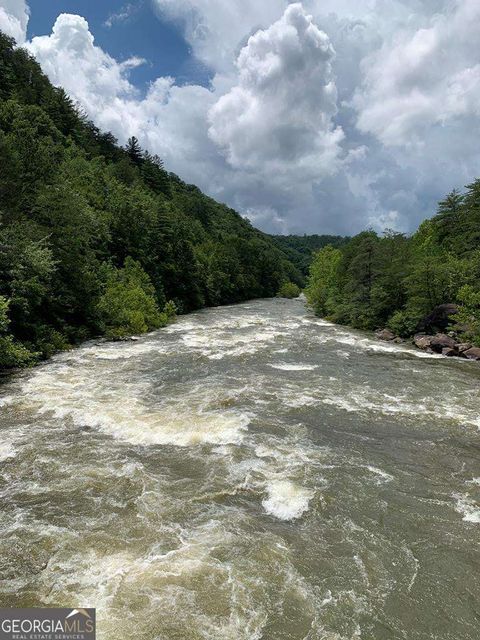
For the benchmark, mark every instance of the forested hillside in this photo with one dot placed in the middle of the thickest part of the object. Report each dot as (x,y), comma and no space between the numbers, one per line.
(300,249)
(95,238)
(396,281)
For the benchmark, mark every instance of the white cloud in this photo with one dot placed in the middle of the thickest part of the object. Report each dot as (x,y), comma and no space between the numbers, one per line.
(98,82)
(125,12)
(169,119)
(14,16)
(297,138)
(215,29)
(423,78)
(278,117)
(291,136)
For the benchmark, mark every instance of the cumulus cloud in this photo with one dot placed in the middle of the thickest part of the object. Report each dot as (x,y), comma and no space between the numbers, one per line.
(14,16)
(324,116)
(70,58)
(216,29)
(423,77)
(278,117)
(169,119)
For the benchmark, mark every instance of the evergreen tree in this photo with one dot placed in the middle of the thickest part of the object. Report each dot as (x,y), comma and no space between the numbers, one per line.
(134,151)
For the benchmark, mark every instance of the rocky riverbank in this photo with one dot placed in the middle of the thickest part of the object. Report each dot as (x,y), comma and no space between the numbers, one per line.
(447,344)
(434,334)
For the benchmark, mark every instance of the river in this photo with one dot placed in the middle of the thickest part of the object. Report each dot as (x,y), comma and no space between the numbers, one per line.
(251,472)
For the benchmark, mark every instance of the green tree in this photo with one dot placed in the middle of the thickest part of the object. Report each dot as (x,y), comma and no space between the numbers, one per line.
(128,304)
(468,316)
(134,151)
(12,354)
(289,290)
(322,289)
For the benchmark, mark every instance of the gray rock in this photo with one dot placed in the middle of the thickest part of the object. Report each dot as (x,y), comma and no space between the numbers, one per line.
(422,341)
(385,334)
(441,341)
(464,346)
(473,353)
(450,353)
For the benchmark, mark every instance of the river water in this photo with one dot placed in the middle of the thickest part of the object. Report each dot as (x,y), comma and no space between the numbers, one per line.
(251,472)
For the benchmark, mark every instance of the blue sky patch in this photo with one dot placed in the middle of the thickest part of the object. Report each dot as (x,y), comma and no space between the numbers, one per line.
(124,30)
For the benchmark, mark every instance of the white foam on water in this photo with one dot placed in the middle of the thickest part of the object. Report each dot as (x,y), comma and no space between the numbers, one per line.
(301,400)
(373,346)
(318,322)
(467,507)
(366,399)
(125,351)
(116,407)
(194,583)
(382,476)
(284,366)
(6,400)
(7,451)
(216,344)
(361,567)
(287,500)
(474,481)
(176,424)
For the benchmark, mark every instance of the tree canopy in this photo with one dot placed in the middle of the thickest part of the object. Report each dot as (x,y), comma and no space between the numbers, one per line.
(391,280)
(96,238)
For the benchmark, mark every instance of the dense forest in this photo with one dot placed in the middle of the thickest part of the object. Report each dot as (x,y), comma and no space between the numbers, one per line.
(395,281)
(96,239)
(300,249)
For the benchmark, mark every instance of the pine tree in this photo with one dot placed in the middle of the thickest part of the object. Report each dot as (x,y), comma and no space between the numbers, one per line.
(134,151)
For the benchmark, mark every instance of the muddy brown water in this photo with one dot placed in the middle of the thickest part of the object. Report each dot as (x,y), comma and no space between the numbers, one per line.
(249,473)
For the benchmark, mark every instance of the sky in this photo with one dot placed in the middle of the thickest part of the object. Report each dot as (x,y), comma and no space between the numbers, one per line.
(321,116)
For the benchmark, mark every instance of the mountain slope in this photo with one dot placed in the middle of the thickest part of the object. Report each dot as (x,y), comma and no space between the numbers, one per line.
(300,249)
(95,238)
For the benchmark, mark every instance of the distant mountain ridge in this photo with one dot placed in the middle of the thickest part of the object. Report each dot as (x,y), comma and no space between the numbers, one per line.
(300,249)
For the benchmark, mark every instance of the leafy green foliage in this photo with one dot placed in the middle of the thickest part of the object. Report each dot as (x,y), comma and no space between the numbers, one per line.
(403,323)
(395,281)
(289,290)
(12,354)
(469,312)
(322,287)
(95,238)
(128,304)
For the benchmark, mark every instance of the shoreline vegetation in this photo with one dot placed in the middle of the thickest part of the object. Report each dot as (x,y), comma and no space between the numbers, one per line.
(101,240)
(425,287)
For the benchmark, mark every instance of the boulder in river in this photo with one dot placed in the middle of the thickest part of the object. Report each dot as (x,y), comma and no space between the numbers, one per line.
(463,346)
(449,352)
(472,354)
(441,341)
(422,341)
(386,335)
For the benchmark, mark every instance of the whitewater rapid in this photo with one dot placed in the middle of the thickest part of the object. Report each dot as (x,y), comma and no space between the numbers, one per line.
(251,472)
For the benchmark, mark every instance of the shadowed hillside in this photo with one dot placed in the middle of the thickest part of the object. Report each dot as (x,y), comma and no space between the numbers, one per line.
(96,238)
